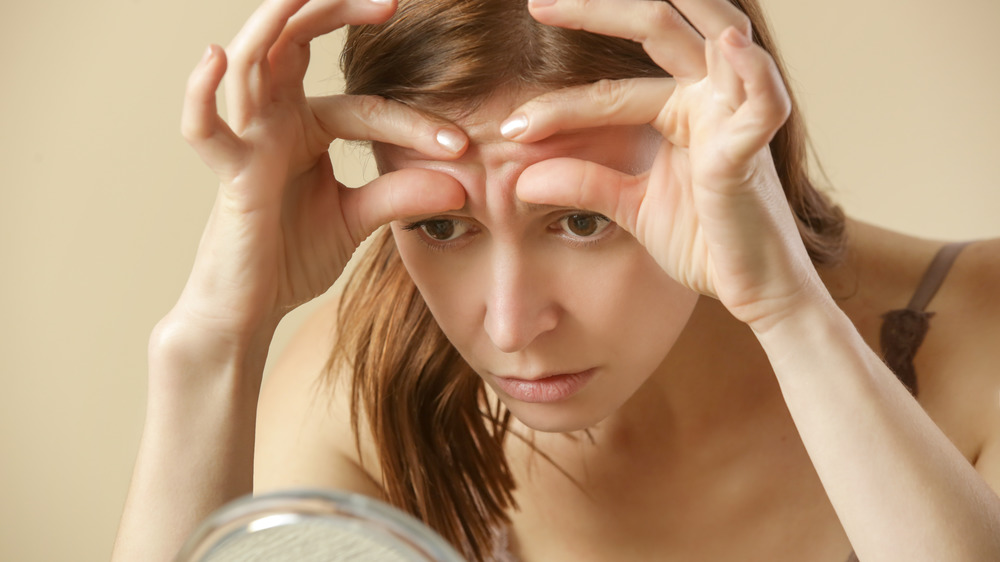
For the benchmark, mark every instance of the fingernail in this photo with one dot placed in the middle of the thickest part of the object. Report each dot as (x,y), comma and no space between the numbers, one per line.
(737,38)
(513,126)
(450,140)
(540,3)
(207,56)
(381,2)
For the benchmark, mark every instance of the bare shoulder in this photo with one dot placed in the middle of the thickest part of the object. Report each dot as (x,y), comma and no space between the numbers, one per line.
(885,268)
(304,434)
(974,281)
(965,329)
(959,363)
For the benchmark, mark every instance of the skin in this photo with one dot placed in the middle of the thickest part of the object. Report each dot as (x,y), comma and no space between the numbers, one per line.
(519,293)
(721,425)
(794,441)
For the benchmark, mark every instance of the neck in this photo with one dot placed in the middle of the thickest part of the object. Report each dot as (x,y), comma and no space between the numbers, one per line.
(716,378)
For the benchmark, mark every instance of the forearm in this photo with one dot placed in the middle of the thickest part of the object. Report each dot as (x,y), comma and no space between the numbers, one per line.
(900,488)
(196,451)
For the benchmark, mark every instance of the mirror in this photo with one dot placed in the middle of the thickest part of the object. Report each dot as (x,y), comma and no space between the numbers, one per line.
(313,526)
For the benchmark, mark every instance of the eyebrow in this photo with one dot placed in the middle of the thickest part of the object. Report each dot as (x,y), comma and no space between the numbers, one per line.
(527,208)
(538,208)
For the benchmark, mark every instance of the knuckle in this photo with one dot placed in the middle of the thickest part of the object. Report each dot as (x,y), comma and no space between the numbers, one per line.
(783,100)
(238,54)
(779,105)
(777,101)
(609,95)
(370,109)
(744,25)
(551,101)
(375,115)
(784,106)
(662,16)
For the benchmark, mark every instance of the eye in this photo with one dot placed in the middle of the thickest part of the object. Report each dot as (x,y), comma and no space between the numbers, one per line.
(440,230)
(584,225)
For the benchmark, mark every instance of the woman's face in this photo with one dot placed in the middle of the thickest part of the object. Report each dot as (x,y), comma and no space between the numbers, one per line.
(561,312)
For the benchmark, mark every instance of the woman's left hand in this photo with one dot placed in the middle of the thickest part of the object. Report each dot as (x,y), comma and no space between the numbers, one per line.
(711,209)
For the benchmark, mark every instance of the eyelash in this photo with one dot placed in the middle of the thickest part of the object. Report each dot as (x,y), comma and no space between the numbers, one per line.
(581,242)
(426,240)
(585,241)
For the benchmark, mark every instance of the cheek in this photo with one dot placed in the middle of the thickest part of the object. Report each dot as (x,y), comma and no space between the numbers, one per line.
(633,309)
(613,301)
(445,282)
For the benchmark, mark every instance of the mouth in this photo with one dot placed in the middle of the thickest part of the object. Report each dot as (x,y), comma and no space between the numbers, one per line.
(545,389)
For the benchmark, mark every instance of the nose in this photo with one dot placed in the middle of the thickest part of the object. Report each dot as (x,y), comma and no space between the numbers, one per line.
(519,304)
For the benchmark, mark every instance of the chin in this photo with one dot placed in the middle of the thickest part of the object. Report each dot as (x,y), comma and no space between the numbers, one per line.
(554,418)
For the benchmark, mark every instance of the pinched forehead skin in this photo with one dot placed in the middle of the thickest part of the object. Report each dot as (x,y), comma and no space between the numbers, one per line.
(492,165)
(487,146)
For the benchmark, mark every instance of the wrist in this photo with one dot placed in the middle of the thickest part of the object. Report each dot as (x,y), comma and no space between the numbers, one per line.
(189,355)
(812,337)
(812,311)
(788,310)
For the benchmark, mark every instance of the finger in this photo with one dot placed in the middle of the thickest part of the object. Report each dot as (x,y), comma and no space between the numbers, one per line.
(584,185)
(289,57)
(377,119)
(712,17)
(201,125)
(663,32)
(321,17)
(607,102)
(727,86)
(248,80)
(404,193)
(767,103)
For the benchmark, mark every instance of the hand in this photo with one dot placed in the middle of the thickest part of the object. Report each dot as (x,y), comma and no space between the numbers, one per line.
(710,210)
(283,228)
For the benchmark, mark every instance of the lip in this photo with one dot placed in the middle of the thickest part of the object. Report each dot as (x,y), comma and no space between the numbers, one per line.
(552,388)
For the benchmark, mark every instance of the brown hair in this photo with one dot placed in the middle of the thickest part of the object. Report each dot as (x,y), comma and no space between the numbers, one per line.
(440,446)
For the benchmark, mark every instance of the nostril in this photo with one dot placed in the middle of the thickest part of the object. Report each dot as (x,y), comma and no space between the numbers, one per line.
(514,328)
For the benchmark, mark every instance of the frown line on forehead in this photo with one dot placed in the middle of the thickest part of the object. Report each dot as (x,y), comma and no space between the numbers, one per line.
(524,208)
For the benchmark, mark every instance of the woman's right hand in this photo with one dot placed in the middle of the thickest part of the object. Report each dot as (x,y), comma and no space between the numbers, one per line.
(283,228)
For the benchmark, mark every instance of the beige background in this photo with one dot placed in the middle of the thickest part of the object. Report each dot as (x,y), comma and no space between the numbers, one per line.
(103,203)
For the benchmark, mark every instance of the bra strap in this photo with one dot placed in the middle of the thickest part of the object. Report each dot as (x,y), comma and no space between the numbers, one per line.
(934,277)
(903,330)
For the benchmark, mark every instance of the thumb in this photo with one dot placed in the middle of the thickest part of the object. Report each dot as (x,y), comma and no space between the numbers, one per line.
(580,184)
(400,194)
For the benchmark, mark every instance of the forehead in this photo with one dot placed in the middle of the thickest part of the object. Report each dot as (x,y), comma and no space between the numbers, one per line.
(490,166)
(623,147)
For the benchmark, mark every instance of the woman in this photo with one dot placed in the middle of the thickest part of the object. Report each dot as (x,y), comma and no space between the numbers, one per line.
(610,319)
